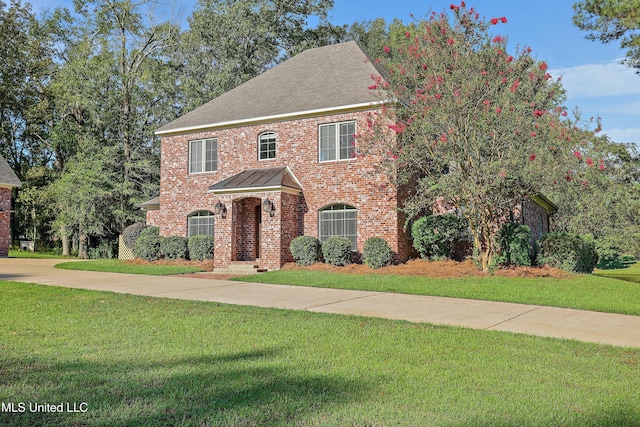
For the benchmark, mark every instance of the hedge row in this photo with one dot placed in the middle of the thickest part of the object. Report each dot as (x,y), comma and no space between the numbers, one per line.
(151,246)
(306,250)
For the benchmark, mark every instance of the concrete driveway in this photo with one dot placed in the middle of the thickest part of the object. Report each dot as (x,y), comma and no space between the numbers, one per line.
(604,328)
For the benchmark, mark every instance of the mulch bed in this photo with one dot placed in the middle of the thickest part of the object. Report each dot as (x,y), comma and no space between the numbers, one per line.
(416,267)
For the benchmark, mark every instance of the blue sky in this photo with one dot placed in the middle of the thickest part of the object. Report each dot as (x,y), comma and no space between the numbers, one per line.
(591,72)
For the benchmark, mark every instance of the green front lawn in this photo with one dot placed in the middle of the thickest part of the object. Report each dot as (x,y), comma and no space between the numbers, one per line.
(29,254)
(159,362)
(631,273)
(122,266)
(584,292)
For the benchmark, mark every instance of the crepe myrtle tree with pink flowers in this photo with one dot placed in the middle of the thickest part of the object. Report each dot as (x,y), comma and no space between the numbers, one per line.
(468,122)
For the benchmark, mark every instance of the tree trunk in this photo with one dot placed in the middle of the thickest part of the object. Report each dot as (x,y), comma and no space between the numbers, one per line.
(83,250)
(65,241)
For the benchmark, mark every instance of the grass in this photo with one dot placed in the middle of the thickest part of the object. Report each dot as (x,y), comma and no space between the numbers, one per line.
(41,255)
(584,292)
(150,361)
(631,273)
(121,266)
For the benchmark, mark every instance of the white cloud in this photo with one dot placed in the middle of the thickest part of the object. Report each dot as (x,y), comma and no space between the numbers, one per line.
(624,135)
(596,80)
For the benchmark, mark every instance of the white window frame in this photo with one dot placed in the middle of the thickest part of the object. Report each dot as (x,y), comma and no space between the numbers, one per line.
(204,162)
(201,220)
(270,138)
(334,213)
(341,145)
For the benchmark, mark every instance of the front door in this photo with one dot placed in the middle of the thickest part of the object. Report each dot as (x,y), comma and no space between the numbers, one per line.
(258,226)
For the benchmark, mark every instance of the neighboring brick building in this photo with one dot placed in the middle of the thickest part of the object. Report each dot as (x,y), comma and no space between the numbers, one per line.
(8,180)
(274,158)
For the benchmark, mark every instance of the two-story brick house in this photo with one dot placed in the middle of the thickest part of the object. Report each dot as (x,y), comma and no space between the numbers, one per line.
(274,158)
(8,180)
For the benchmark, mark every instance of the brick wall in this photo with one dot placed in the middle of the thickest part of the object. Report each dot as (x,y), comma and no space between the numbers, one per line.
(5,217)
(536,217)
(351,182)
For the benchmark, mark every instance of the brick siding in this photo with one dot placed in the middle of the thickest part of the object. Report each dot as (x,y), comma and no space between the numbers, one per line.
(5,218)
(351,182)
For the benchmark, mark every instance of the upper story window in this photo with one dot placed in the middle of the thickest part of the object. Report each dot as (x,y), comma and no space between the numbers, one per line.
(267,146)
(337,141)
(203,155)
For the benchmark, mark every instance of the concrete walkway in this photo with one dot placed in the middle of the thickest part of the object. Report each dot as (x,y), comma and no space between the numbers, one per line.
(613,329)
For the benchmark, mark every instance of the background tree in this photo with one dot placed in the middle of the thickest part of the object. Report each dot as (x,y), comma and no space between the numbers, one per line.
(612,20)
(231,41)
(471,124)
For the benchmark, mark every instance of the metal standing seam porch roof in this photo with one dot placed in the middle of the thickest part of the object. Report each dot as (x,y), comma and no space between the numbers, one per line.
(253,180)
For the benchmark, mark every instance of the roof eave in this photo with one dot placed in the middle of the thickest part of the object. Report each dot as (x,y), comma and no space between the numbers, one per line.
(274,118)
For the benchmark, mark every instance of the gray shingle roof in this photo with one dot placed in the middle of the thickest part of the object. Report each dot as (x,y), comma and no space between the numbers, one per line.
(317,79)
(275,179)
(8,178)
(150,205)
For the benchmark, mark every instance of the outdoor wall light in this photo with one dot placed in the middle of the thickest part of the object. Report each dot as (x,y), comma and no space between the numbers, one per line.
(268,207)
(220,209)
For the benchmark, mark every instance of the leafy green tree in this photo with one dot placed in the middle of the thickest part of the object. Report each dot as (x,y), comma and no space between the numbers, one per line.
(471,123)
(232,41)
(612,20)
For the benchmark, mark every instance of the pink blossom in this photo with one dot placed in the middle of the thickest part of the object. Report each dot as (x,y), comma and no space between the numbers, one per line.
(565,114)
(498,39)
(538,113)
(514,87)
(387,49)
(486,102)
(503,19)
(398,128)
(534,134)
(498,110)
(450,41)
(577,154)
(543,66)
(589,161)
(532,157)
(494,21)
(509,58)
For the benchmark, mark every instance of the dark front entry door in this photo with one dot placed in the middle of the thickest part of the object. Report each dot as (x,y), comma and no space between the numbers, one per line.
(258,225)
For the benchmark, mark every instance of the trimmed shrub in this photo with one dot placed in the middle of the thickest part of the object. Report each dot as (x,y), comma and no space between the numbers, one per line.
(337,250)
(568,252)
(131,234)
(306,250)
(200,247)
(513,244)
(149,231)
(148,246)
(435,236)
(174,247)
(377,252)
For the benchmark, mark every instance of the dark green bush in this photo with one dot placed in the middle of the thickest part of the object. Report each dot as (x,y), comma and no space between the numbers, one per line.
(174,247)
(435,236)
(149,231)
(148,246)
(337,250)
(513,244)
(306,250)
(131,234)
(609,253)
(200,247)
(568,252)
(377,252)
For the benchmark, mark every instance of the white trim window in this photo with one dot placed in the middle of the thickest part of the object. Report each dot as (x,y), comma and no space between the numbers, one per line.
(338,220)
(267,146)
(200,223)
(203,155)
(337,141)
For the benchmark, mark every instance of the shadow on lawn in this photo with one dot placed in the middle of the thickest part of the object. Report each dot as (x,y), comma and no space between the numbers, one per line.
(247,388)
